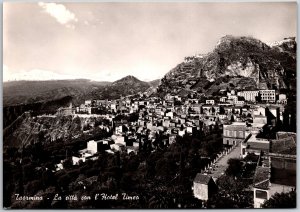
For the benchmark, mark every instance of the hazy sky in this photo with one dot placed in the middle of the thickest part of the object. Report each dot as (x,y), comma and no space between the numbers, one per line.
(107,41)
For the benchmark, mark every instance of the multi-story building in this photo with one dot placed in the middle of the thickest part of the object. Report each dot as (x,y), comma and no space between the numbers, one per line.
(268,95)
(249,95)
(234,133)
(93,147)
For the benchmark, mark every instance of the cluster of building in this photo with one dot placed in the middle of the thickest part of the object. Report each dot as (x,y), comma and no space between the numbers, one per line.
(276,166)
(241,115)
(253,96)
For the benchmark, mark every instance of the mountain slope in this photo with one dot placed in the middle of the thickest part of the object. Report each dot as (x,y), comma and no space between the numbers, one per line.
(27,92)
(239,62)
(154,83)
(128,85)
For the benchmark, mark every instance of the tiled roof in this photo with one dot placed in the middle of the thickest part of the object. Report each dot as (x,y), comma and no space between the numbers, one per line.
(286,145)
(281,135)
(235,127)
(258,145)
(259,116)
(261,175)
(263,185)
(202,178)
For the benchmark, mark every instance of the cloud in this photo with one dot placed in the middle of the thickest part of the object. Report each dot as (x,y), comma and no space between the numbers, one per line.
(60,13)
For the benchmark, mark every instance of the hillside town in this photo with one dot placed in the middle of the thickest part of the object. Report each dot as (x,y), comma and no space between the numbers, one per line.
(149,105)
(252,123)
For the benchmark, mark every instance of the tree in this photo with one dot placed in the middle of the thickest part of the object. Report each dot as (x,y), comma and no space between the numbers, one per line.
(234,168)
(231,194)
(165,168)
(67,163)
(251,157)
(32,187)
(281,200)
(222,110)
(258,98)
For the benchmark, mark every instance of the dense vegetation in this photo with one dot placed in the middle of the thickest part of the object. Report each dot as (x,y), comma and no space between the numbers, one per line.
(161,178)
(282,200)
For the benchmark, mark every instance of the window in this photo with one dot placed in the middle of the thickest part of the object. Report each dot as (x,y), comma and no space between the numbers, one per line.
(240,134)
(261,194)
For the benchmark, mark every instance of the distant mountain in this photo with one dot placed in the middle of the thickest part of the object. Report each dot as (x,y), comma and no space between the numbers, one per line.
(27,92)
(154,83)
(48,96)
(236,62)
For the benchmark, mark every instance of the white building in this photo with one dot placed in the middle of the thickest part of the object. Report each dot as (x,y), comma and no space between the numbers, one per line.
(117,146)
(191,129)
(259,111)
(249,95)
(204,187)
(93,146)
(114,107)
(170,114)
(239,103)
(223,99)
(88,102)
(268,95)
(210,102)
(282,99)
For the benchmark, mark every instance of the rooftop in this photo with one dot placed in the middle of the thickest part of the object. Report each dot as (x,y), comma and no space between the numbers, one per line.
(261,177)
(202,178)
(234,127)
(258,145)
(263,185)
(281,134)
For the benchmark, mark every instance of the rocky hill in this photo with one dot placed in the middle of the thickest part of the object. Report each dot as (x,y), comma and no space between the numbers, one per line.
(128,85)
(46,129)
(154,83)
(236,62)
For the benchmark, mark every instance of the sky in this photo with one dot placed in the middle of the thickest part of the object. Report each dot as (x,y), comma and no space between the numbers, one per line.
(108,41)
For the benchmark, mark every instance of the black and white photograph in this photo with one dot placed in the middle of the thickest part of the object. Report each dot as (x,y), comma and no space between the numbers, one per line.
(149,105)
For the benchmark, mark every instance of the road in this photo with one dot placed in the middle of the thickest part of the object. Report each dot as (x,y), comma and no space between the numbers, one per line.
(221,165)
